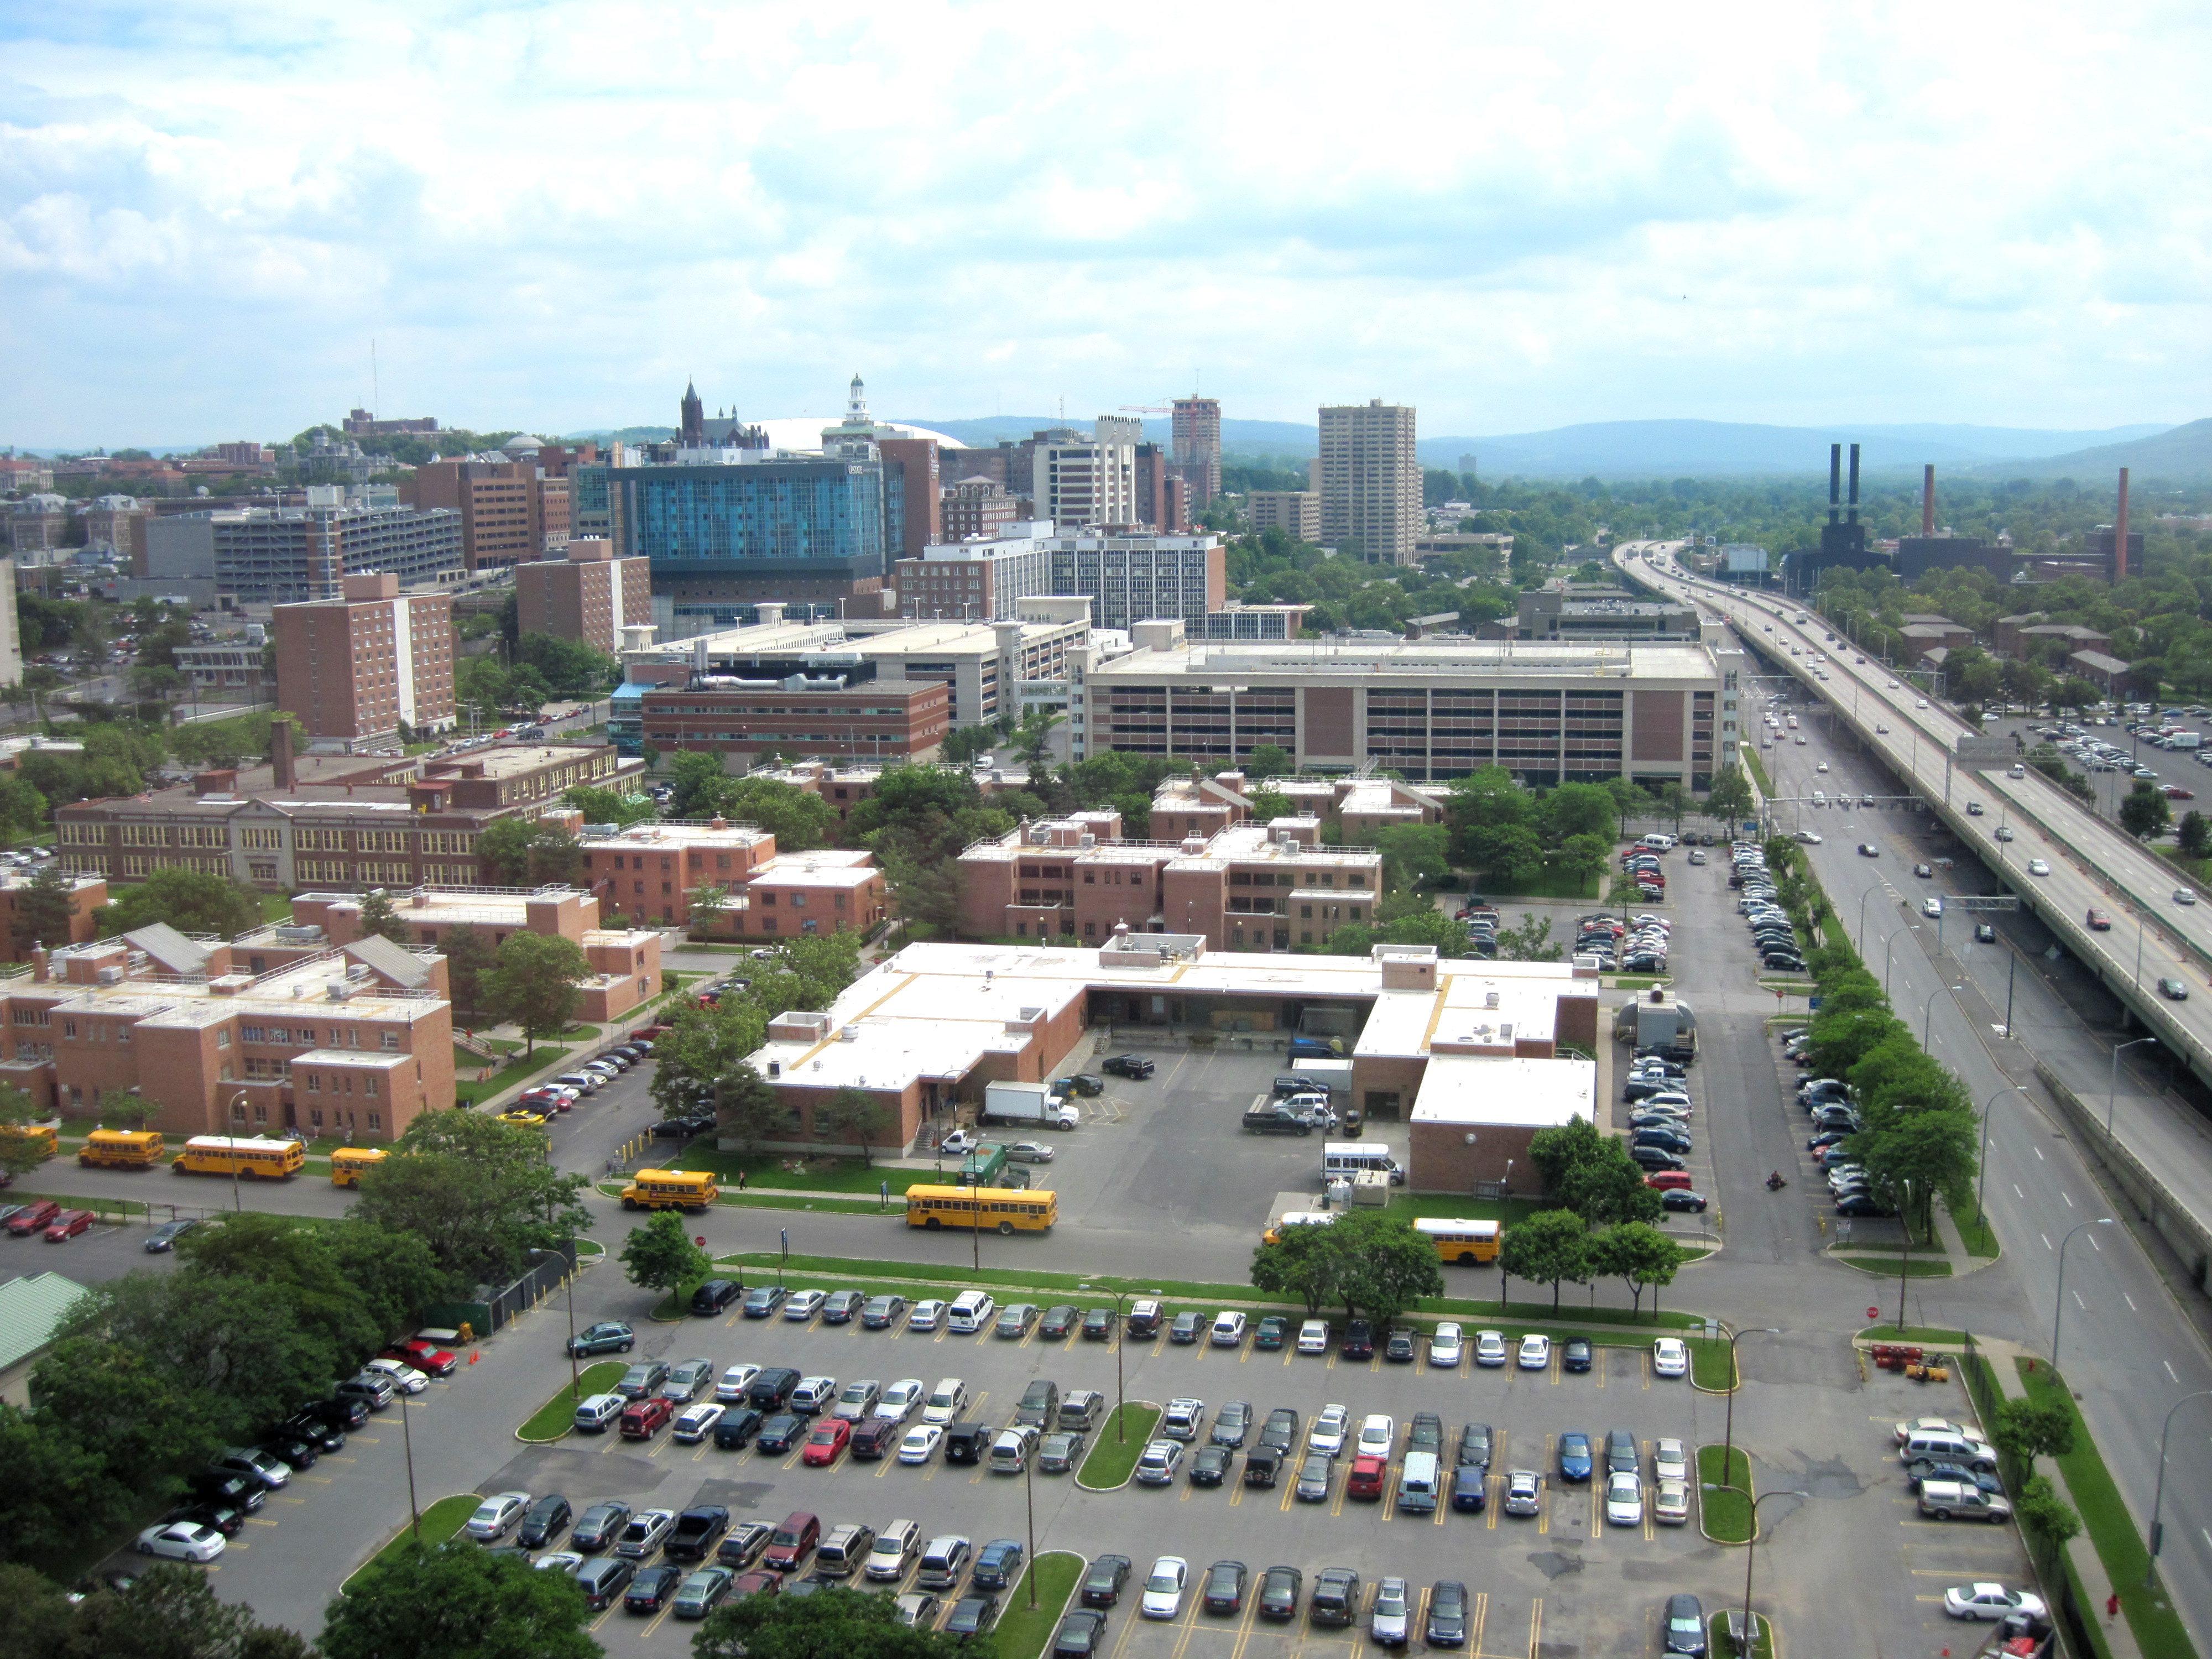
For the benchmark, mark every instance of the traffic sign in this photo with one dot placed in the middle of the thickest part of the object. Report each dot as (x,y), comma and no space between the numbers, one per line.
(1982,901)
(1985,751)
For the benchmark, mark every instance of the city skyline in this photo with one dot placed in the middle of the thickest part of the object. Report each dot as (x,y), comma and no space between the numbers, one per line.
(1511,222)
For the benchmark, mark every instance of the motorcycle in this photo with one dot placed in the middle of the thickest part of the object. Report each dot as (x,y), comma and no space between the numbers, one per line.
(1774,1182)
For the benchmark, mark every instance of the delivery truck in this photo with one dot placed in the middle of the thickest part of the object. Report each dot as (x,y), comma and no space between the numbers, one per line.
(1028,1102)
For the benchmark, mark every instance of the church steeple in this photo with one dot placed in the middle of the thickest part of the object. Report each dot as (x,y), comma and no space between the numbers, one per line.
(856,405)
(695,418)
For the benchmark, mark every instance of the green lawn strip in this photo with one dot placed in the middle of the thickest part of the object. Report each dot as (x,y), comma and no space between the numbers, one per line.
(1756,770)
(1530,1316)
(835,1175)
(1914,1335)
(1724,1502)
(104,1208)
(439,1522)
(553,1420)
(1021,1633)
(468,1091)
(1111,1461)
(1711,1364)
(735,1199)
(1762,1636)
(2158,1630)
(1980,1238)
(1539,884)
(1918,1267)
(1458,1207)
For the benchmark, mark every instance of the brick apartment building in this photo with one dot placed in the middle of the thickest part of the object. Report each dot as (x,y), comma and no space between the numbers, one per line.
(87,895)
(355,668)
(887,720)
(976,507)
(589,595)
(356,1040)
(652,871)
(510,513)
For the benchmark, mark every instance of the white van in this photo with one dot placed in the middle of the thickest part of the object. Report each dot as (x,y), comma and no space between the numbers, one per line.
(896,1546)
(947,1401)
(970,1311)
(1343,1159)
(1659,844)
(1416,1484)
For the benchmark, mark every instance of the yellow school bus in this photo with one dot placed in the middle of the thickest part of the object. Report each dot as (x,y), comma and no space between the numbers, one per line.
(1464,1242)
(47,1137)
(671,1189)
(248,1157)
(1009,1209)
(347,1161)
(120,1149)
(1296,1218)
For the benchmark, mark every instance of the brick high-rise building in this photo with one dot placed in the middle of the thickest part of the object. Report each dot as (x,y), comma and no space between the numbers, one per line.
(504,507)
(976,506)
(591,595)
(354,668)
(1197,434)
(1089,481)
(1370,481)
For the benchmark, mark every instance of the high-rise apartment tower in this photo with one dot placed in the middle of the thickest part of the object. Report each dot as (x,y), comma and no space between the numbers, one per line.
(1370,481)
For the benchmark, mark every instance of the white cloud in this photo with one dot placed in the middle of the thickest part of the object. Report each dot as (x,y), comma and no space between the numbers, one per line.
(548,214)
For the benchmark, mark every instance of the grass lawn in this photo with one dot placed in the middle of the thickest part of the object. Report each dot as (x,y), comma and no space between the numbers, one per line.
(1762,1636)
(439,1522)
(1710,1363)
(1918,1267)
(1542,884)
(814,1175)
(738,1200)
(1535,1316)
(551,1421)
(1456,1206)
(2158,1631)
(1757,772)
(1980,1238)
(1111,1461)
(1723,1499)
(467,1091)
(1022,1634)
(1921,1334)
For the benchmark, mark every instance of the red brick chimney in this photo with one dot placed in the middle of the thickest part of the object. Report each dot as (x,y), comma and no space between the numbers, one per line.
(280,754)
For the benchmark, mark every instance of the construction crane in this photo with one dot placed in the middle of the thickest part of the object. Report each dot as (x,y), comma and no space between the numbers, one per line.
(1147,409)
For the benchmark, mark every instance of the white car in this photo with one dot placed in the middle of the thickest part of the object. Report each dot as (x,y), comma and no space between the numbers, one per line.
(403,1376)
(1157,1463)
(1535,1354)
(2183,896)
(1914,1425)
(1807,837)
(1445,1347)
(1228,1330)
(947,1401)
(1164,1588)
(2038,867)
(902,1400)
(928,1314)
(1030,1151)
(1892,685)
(566,1561)
(805,1304)
(1931,906)
(1328,1430)
(1920,702)
(1313,1336)
(1378,1433)
(960,1142)
(181,1540)
(697,1422)
(921,1442)
(496,1514)
(1990,1602)
(1821,766)
(1623,1500)
(1490,1347)
(1670,1503)
(1670,1460)
(731,1390)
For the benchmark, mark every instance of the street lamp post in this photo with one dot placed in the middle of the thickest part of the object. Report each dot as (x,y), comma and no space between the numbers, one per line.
(407,1437)
(1982,1171)
(1121,1336)
(1727,1439)
(2058,1318)
(1751,1554)
(1894,935)
(2113,1093)
(2158,1494)
(237,1199)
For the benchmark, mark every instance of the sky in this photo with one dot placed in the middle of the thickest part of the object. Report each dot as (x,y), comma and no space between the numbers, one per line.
(548,215)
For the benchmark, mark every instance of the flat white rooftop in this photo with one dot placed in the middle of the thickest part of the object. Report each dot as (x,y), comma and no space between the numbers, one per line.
(1536,1094)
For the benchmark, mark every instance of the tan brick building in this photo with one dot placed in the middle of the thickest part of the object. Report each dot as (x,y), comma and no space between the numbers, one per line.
(588,595)
(354,668)
(509,513)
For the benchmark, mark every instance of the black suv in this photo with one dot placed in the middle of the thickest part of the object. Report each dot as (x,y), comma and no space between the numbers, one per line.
(716,1294)
(1135,1066)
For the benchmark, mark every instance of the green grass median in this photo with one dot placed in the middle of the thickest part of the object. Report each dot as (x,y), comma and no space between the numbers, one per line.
(441,1521)
(467,1091)
(1111,1461)
(1724,1498)
(1762,1635)
(1022,1634)
(554,1418)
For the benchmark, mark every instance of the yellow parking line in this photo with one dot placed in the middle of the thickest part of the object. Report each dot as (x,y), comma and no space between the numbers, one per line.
(1535,1628)
(1236,1494)
(1245,1625)
(660,1617)
(364,1439)
(1481,1612)
(1597,1365)
(1493,1495)
(1290,1491)
(258,1521)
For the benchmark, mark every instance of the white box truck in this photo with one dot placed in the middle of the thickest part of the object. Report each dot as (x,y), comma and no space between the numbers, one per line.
(1028,1102)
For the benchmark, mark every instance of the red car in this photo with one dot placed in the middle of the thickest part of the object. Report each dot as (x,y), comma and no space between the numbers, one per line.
(2175,792)
(33,1219)
(2099,921)
(550,1100)
(422,1356)
(67,1225)
(826,1444)
(643,1419)
(1666,1178)
(1369,1476)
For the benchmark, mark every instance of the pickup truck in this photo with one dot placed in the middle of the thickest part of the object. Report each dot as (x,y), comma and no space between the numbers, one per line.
(1272,1118)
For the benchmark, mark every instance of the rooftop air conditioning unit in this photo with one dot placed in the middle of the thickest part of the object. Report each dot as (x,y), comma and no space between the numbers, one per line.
(339,991)
(1505,1030)
(849,1034)
(1490,998)
(109,975)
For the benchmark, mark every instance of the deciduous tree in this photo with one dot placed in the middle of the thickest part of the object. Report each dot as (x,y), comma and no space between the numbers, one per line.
(534,984)
(660,1256)
(477,1192)
(458,1600)
(1551,1246)
(190,901)
(379,917)
(853,1114)
(2029,1429)
(1640,1256)
(835,1623)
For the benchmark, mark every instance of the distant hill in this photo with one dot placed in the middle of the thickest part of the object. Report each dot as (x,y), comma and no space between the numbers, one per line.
(1709,448)
(2181,454)
(1238,437)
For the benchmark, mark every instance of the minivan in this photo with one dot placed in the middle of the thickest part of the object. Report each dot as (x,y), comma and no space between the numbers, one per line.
(896,1546)
(603,1580)
(1417,1483)
(792,1542)
(943,1562)
(594,1414)
(1079,1410)
(845,1550)
(969,1312)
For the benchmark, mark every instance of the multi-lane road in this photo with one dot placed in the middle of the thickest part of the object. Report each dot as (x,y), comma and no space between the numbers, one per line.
(2130,1350)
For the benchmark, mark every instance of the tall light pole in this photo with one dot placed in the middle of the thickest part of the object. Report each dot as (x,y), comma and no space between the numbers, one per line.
(2058,1317)
(2113,1093)
(1751,1556)
(1727,1440)
(1863,897)
(2158,1495)
(1895,934)
(1982,1171)
(407,1436)
(237,1199)
(1121,1336)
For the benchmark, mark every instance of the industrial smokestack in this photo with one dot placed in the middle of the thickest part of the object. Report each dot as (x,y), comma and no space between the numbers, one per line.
(279,756)
(1835,480)
(1927,499)
(1853,516)
(2120,532)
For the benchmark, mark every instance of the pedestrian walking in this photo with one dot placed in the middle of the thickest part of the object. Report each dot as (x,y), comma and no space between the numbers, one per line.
(2112,1605)
(741,1180)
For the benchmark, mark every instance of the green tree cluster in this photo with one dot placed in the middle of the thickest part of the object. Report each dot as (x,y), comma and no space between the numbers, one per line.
(528,853)
(573,669)
(479,1192)
(458,1600)
(168,1611)
(1368,1261)
(190,901)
